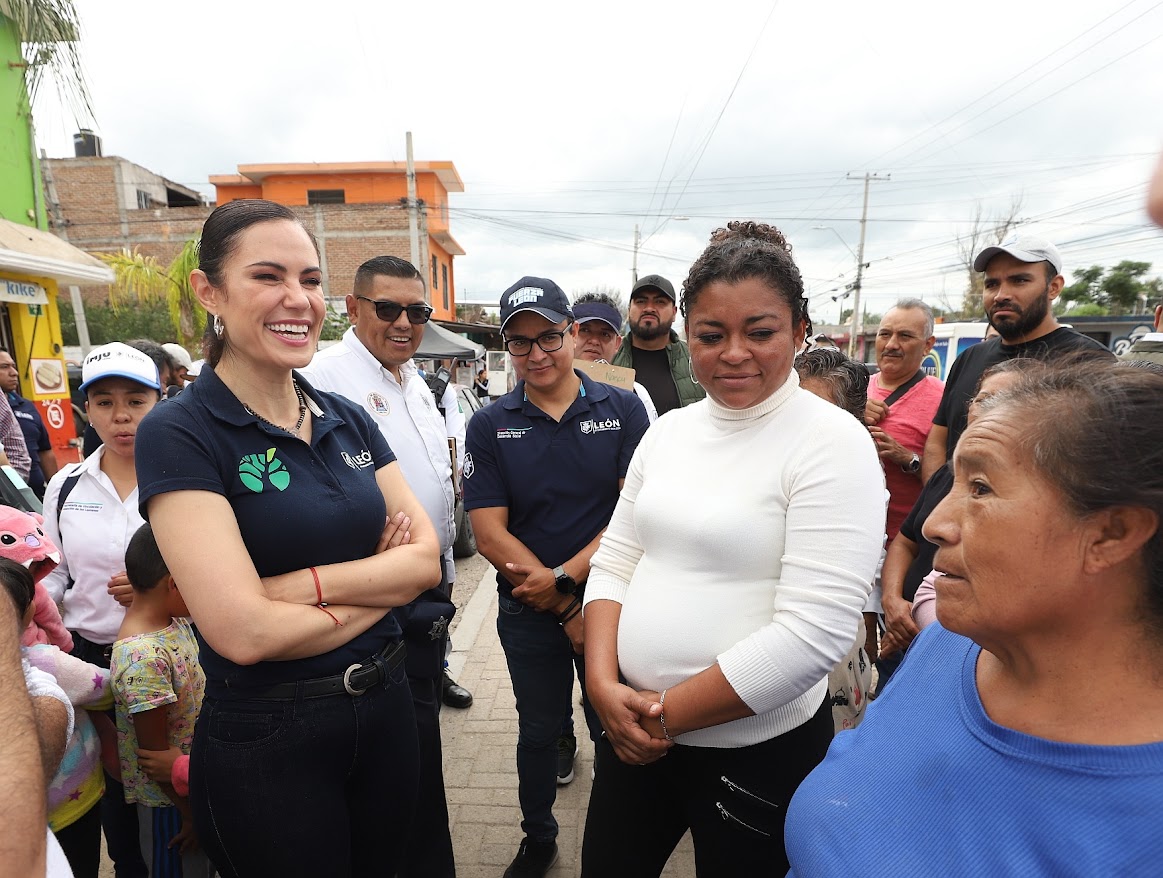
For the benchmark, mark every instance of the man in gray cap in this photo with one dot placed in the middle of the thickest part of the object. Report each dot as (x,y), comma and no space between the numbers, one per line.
(1023,277)
(660,359)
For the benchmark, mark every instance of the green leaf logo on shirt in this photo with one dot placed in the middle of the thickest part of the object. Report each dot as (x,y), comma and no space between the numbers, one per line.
(253,468)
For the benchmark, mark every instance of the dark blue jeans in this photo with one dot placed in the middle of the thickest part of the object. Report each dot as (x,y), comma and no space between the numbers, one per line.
(541,664)
(306,786)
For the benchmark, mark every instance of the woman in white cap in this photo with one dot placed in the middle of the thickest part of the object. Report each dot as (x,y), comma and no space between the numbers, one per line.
(90,512)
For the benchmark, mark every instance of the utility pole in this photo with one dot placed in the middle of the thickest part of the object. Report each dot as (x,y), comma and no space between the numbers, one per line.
(858,323)
(414,222)
(58,222)
(634,269)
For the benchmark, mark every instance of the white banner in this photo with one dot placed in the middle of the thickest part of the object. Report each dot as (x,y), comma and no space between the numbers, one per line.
(28,294)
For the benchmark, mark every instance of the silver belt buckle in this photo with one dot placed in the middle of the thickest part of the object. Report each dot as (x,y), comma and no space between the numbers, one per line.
(347,681)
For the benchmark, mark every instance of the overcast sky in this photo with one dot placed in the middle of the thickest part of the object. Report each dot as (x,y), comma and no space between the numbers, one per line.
(572,123)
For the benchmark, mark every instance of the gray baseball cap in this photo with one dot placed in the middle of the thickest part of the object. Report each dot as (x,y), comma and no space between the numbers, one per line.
(1025,248)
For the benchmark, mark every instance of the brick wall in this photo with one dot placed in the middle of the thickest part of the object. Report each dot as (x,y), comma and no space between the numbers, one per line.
(86,190)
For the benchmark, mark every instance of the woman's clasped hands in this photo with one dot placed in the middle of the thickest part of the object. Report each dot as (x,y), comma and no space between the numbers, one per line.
(632,722)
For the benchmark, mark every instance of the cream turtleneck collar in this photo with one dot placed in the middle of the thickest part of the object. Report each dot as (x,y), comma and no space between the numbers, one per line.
(735,418)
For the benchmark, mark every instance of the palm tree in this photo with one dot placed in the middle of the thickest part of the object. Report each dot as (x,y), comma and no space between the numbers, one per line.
(48,31)
(142,279)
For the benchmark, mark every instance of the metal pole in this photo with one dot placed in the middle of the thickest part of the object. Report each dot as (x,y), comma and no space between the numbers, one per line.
(859,274)
(857,326)
(414,221)
(59,227)
(634,269)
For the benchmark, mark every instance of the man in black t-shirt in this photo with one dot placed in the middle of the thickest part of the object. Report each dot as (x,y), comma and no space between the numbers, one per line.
(1023,277)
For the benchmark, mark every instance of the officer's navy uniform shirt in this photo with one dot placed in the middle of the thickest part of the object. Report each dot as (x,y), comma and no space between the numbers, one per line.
(297,505)
(559,480)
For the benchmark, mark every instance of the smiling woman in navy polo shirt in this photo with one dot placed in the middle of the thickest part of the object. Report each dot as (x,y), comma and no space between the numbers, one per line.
(271,502)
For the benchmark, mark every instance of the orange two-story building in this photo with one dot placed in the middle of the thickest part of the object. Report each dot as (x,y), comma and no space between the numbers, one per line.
(358,210)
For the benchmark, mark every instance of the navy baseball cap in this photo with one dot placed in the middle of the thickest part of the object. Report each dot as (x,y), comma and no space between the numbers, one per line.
(537,294)
(587,311)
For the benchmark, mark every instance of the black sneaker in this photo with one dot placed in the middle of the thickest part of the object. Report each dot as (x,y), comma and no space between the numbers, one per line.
(566,753)
(533,860)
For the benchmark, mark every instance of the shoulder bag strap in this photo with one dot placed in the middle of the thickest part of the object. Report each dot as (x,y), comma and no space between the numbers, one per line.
(905,388)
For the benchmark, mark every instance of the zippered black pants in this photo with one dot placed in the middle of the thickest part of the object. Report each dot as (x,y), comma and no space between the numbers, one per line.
(733,800)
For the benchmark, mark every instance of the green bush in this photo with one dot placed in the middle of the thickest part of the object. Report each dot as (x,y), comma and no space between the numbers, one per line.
(129,321)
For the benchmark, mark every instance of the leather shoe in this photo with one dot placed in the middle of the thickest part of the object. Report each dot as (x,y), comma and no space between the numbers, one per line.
(453,694)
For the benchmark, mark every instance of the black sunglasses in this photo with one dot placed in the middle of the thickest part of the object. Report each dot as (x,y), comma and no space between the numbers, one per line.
(390,312)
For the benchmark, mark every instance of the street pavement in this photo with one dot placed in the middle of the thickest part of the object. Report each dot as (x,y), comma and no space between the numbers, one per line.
(480,756)
(480,750)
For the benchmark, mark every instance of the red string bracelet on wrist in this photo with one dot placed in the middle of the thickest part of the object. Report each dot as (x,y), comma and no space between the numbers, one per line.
(318,588)
(322,604)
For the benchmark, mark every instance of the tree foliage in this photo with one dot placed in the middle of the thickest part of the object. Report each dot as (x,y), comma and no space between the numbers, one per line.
(141,280)
(1121,289)
(108,324)
(984,232)
(49,32)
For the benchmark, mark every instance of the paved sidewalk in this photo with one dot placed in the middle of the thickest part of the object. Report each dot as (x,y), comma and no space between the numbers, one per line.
(480,763)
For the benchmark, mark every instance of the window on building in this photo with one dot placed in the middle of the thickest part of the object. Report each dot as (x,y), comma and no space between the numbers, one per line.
(326,196)
(435,276)
(444,284)
(144,201)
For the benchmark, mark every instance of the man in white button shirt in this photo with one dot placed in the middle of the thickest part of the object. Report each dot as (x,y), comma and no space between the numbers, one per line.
(373,366)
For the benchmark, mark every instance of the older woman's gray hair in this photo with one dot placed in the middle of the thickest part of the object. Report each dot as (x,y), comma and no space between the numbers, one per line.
(847,379)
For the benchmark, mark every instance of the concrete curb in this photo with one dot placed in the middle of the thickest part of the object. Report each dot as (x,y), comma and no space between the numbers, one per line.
(480,607)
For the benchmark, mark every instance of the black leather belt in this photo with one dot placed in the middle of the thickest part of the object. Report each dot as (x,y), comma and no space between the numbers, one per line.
(356,680)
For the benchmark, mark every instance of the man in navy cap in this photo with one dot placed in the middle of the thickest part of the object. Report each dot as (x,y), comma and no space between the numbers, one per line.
(541,478)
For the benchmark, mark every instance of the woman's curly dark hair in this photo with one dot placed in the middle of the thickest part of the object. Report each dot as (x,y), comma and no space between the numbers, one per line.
(745,250)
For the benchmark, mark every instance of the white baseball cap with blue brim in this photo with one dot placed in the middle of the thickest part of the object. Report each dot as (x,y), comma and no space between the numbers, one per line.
(118,360)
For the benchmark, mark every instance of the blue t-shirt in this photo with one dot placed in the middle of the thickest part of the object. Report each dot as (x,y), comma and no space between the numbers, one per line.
(297,505)
(929,785)
(558,479)
(35,437)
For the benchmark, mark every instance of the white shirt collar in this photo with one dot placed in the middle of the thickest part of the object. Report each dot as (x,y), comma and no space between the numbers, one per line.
(357,347)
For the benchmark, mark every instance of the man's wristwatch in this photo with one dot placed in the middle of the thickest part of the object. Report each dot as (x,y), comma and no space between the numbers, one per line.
(564,582)
(913,466)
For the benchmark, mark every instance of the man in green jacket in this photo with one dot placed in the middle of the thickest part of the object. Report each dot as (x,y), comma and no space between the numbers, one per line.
(660,359)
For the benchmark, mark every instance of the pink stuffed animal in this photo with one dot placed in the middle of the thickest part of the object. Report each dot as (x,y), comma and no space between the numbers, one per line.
(22,539)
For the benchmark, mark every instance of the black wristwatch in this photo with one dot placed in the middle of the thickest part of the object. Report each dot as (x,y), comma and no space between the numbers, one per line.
(913,466)
(565,583)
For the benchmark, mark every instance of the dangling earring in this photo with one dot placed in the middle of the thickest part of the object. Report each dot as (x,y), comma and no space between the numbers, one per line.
(219,328)
(690,364)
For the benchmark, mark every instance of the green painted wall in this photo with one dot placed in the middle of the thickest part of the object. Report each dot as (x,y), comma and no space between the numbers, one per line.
(19,171)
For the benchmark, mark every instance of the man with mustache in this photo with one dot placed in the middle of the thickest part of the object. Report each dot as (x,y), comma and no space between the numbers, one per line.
(902,400)
(372,366)
(1023,277)
(660,359)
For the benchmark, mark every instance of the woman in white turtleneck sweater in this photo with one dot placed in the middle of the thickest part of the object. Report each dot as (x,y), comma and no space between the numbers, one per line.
(727,585)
